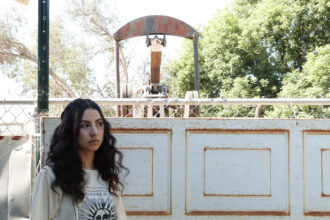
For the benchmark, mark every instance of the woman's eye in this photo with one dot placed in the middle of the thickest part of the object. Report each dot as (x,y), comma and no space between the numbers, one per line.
(100,124)
(83,125)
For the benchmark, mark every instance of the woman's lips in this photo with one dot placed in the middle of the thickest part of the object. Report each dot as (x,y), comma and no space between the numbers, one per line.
(94,141)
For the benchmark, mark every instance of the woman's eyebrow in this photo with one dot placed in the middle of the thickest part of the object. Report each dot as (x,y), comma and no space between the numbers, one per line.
(90,121)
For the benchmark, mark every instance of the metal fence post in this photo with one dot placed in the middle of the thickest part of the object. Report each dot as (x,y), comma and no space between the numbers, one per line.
(196,79)
(43,55)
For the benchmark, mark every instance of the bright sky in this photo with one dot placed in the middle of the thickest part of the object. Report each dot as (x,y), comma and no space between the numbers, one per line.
(195,13)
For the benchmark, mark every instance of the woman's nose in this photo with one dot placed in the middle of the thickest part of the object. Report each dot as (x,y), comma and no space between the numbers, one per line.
(93,130)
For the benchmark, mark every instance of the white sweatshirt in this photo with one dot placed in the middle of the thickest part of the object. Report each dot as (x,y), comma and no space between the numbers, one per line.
(50,205)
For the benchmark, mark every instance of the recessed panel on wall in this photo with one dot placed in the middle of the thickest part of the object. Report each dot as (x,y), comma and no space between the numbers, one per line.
(224,177)
(147,154)
(242,172)
(140,163)
(317,173)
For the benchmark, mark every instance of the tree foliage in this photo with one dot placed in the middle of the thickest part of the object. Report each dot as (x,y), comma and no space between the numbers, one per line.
(312,82)
(251,50)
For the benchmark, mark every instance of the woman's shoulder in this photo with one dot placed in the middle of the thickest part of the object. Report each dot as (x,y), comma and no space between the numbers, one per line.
(47,172)
(46,178)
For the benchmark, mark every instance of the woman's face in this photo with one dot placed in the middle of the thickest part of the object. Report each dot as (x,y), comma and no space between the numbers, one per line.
(91,131)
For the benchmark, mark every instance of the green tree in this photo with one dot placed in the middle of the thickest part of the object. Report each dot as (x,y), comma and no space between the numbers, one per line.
(226,53)
(312,82)
(255,43)
(181,71)
(290,29)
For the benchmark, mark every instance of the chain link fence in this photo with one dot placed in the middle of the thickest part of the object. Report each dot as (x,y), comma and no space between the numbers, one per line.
(18,117)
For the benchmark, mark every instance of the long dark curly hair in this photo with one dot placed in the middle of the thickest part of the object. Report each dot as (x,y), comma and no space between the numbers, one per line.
(65,161)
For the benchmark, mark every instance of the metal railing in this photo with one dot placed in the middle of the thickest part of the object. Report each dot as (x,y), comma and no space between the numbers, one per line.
(19,117)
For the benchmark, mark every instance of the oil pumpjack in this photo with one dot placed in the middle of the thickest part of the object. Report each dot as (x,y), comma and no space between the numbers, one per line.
(155,89)
(156,25)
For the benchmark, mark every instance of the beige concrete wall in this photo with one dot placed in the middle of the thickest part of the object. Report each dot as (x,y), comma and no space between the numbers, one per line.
(223,168)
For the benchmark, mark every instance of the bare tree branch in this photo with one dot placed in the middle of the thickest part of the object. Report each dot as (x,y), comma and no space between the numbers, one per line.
(92,22)
(25,53)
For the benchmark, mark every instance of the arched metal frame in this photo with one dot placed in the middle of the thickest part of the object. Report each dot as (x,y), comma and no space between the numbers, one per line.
(152,25)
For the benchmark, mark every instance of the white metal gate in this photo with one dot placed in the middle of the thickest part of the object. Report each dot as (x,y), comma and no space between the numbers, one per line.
(15,177)
(222,168)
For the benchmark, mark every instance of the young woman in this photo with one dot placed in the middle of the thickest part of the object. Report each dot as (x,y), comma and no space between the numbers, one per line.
(81,178)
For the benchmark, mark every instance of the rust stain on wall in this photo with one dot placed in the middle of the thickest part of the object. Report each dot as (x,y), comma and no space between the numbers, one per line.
(148,213)
(250,213)
(16,138)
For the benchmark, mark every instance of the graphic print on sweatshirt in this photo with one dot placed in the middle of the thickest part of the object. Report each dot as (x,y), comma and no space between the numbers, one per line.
(98,204)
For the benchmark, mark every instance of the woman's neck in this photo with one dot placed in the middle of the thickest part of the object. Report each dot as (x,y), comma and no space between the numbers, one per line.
(87,159)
